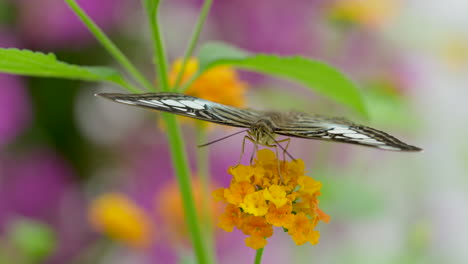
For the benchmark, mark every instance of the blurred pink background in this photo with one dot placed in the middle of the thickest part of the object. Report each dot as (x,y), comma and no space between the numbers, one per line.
(60,147)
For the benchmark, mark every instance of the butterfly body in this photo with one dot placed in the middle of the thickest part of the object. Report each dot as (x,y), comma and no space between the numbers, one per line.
(263,126)
(262,131)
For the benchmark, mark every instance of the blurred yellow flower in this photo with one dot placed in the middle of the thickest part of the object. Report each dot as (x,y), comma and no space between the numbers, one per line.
(168,204)
(221,84)
(454,51)
(115,215)
(262,195)
(369,13)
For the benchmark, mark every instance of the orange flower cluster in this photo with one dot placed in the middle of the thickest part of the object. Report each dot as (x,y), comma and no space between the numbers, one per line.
(264,195)
(220,84)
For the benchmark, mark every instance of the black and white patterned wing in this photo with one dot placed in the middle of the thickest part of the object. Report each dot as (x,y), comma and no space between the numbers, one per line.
(188,106)
(340,130)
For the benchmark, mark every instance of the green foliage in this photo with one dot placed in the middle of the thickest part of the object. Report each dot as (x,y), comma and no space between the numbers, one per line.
(26,62)
(34,240)
(316,75)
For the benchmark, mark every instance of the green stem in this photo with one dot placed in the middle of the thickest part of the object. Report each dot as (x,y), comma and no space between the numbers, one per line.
(128,86)
(187,84)
(194,39)
(160,60)
(108,44)
(176,142)
(179,160)
(258,256)
(204,175)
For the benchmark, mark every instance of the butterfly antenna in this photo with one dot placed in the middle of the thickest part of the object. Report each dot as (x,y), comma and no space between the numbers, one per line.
(281,147)
(219,139)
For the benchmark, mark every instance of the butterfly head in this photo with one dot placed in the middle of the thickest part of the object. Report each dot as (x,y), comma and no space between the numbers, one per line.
(262,132)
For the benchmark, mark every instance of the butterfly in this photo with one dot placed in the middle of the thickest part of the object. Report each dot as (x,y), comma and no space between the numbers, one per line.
(262,126)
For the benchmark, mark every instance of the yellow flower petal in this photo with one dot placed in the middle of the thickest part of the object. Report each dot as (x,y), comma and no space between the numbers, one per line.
(279,216)
(231,218)
(323,216)
(309,185)
(241,173)
(256,226)
(255,204)
(276,195)
(255,242)
(237,191)
(266,156)
(302,230)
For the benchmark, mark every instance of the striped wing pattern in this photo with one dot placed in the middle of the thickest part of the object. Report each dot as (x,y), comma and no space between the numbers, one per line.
(340,130)
(188,106)
(291,124)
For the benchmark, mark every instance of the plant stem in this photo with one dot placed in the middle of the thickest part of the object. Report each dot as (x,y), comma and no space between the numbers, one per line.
(176,141)
(160,60)
(179,160)
(258,256)
(194,39)
(109,45)
(187,84)
(129,86)
(204,175)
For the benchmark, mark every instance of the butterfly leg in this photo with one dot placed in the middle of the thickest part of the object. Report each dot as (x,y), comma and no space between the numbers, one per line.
(255,150)
(277,154)
(285,149)
(243,148)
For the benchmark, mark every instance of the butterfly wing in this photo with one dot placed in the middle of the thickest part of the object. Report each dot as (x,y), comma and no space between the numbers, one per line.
(188,106)
(338,129)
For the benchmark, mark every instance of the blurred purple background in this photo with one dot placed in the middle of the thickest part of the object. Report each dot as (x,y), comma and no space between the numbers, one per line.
(61,147)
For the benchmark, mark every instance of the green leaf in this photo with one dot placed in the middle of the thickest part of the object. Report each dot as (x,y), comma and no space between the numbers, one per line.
(26,62)
(314,74)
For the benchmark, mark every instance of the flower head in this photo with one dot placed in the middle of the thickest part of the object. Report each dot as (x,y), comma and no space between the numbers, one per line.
(270,193)
(220,84)
(121,219)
